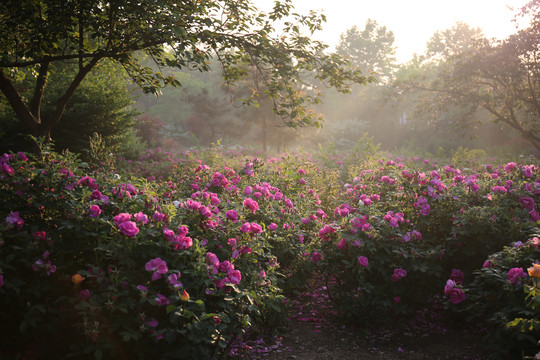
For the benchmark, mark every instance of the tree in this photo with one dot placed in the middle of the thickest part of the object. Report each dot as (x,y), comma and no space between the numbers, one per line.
(35,34)
(446,44)
(371,49)
(504,80)
(84,115)
(468,78)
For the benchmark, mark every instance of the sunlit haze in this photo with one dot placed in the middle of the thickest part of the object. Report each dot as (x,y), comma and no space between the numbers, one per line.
(413,22)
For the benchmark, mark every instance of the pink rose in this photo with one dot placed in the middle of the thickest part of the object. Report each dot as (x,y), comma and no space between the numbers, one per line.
(455,295)
(457,276)
(95,210)
(510,166)
(120,218)
(159,217)
(128,228)
(15,220)
(156,265)
(205,211)
(141,218)
(256,228)
(535,216)
(246,227)
(173,280)
(527,202)
(316,257)
(398,274)
(232,216)
(325,232)
(212,259)
(85,294)
(251,204)
(183,243)
(363,261)
(162,300)
(514,276)
(235,276)
(6,169)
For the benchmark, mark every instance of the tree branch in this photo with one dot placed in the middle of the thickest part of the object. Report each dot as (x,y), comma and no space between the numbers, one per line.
(41,80)
(17,103)
(62,102)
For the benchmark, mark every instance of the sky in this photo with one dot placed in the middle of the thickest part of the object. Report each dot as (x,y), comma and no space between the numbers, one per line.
(413,22)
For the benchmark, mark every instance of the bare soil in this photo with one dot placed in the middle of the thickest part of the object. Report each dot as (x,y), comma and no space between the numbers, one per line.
(316,333)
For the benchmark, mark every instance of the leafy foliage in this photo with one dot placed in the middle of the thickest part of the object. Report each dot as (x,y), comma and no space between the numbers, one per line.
(184,35)
(177,254)
(466,78)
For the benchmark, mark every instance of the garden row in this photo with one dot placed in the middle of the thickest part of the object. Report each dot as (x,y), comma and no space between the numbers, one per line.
(179,255)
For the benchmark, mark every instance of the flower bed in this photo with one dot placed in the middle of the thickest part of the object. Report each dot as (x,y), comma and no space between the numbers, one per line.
(176,255)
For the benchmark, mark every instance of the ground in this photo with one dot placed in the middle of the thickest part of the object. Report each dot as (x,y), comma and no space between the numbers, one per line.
(315,333)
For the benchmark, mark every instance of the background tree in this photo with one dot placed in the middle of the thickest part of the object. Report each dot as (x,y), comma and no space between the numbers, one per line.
(368,109)
(446,44)
(371,49)
(35,35)
(463,82)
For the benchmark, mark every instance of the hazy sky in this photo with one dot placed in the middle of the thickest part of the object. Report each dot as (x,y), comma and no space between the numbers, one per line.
(413,22)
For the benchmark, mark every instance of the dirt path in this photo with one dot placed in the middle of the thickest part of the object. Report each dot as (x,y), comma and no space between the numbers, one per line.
(315,334)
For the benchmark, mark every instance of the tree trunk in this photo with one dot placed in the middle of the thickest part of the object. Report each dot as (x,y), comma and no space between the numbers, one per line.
(30,115)
(264,133)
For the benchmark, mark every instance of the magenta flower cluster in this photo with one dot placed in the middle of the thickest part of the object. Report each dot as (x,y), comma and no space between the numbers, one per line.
(126,227)
(157,267)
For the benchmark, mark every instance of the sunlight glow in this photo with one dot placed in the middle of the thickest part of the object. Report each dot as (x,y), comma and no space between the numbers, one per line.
(413,22)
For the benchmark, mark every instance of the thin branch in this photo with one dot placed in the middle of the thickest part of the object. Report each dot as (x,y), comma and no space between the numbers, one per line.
(16,102)
(81,38)
(62,102)
(41,80)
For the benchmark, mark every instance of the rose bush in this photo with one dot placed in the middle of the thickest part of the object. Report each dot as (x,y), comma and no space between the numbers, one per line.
(114,265)
(180,255)
(505,296)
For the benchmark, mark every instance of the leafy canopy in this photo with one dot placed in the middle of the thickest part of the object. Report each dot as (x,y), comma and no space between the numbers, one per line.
(371,49)
(184,34)
(465,76)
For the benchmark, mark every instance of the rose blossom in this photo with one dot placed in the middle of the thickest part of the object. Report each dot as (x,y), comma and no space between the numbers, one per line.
(141,218)
(128,228)
(235,276)
(122,217)
(514,276)
(527,202)
(398,274)
(457,276)
(363,261)
(251,204)
(232,216)
(95,210)
(342,244)
(456,295)
(315,257)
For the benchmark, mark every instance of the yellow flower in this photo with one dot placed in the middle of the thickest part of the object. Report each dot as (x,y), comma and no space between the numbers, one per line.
(184,296)
(534,271)
(77,279)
